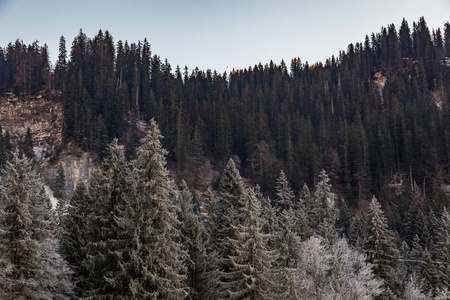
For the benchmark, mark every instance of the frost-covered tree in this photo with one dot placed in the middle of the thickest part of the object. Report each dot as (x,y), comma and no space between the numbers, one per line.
(325,208)
(414,290)
(73,240)
(380,248)
(307,201)
(229,215)
(251,276)
(285,196)
(269,217)
(442,249)
(335,272)
(305,214)
(30,265)
(443,294)
(157,260)
(108,227)
(212,284)
(194,238)
(424,266)
(288,242)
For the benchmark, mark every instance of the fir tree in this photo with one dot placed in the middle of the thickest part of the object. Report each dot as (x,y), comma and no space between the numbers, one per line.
(285,196)
(251,275)
(73,237)
(193,237)
(325,208)
(108,233)
(60,182)
(156,254)
(380,247)
(442,249)
(229,216)
(30,266)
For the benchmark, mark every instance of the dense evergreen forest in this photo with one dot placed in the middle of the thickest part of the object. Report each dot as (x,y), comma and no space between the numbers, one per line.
(378,109)
(373,121)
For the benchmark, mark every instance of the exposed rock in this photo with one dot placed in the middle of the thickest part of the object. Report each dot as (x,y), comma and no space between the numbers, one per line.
(77,167)
(44,116)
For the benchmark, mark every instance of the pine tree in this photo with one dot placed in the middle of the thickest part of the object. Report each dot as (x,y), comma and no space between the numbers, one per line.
(108,233)
(73,239)
(380,247)
(30,266)
(156,254)
(424,265)
(288,242)
(193,237)
(305,214)
(442,249)
(325,208)
(26,145)
(229,216)
(285,196)
(60,182)
(251,275)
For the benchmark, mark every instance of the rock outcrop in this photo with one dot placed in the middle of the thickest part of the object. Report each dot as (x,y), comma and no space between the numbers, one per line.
(43,114)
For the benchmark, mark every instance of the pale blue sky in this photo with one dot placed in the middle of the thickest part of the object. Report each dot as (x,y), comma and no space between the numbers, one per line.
(216,34)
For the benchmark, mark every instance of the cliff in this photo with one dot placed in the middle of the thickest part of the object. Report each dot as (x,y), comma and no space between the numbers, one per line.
(43,114)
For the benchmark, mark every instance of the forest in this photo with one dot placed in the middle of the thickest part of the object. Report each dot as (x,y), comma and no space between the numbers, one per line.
(332,180)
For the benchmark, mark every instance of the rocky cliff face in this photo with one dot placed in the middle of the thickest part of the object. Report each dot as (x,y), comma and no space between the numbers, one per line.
(43,114)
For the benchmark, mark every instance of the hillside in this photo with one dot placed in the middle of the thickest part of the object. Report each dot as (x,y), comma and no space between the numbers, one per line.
(189,184)
(379,109)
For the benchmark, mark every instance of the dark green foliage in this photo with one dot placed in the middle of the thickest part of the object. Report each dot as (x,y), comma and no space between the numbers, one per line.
(60,182)
(378,108)
(73,237)
(108,233)
(26,145)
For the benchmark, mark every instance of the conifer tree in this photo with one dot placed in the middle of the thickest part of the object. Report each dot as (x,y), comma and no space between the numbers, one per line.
(26,145)
(288,243)
(251,276)
(193,237)
(424,265)
(380,247)
(156,264)
(108,233)
(229,215)
(60,184)
(285,196)
(325,208)
(30,266)
(73,236)
(442,249)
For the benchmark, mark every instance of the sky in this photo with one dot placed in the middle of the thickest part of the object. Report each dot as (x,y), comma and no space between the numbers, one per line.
(217,34)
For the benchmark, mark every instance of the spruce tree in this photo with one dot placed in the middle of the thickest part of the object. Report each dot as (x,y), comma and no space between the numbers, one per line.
(229,215)
(285,196)
(193,237)
(380,248)
(325,209)
(60,182)
(156,264)
(442,249)
(251,276)
(108,233)
(73,237)
(30,265)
